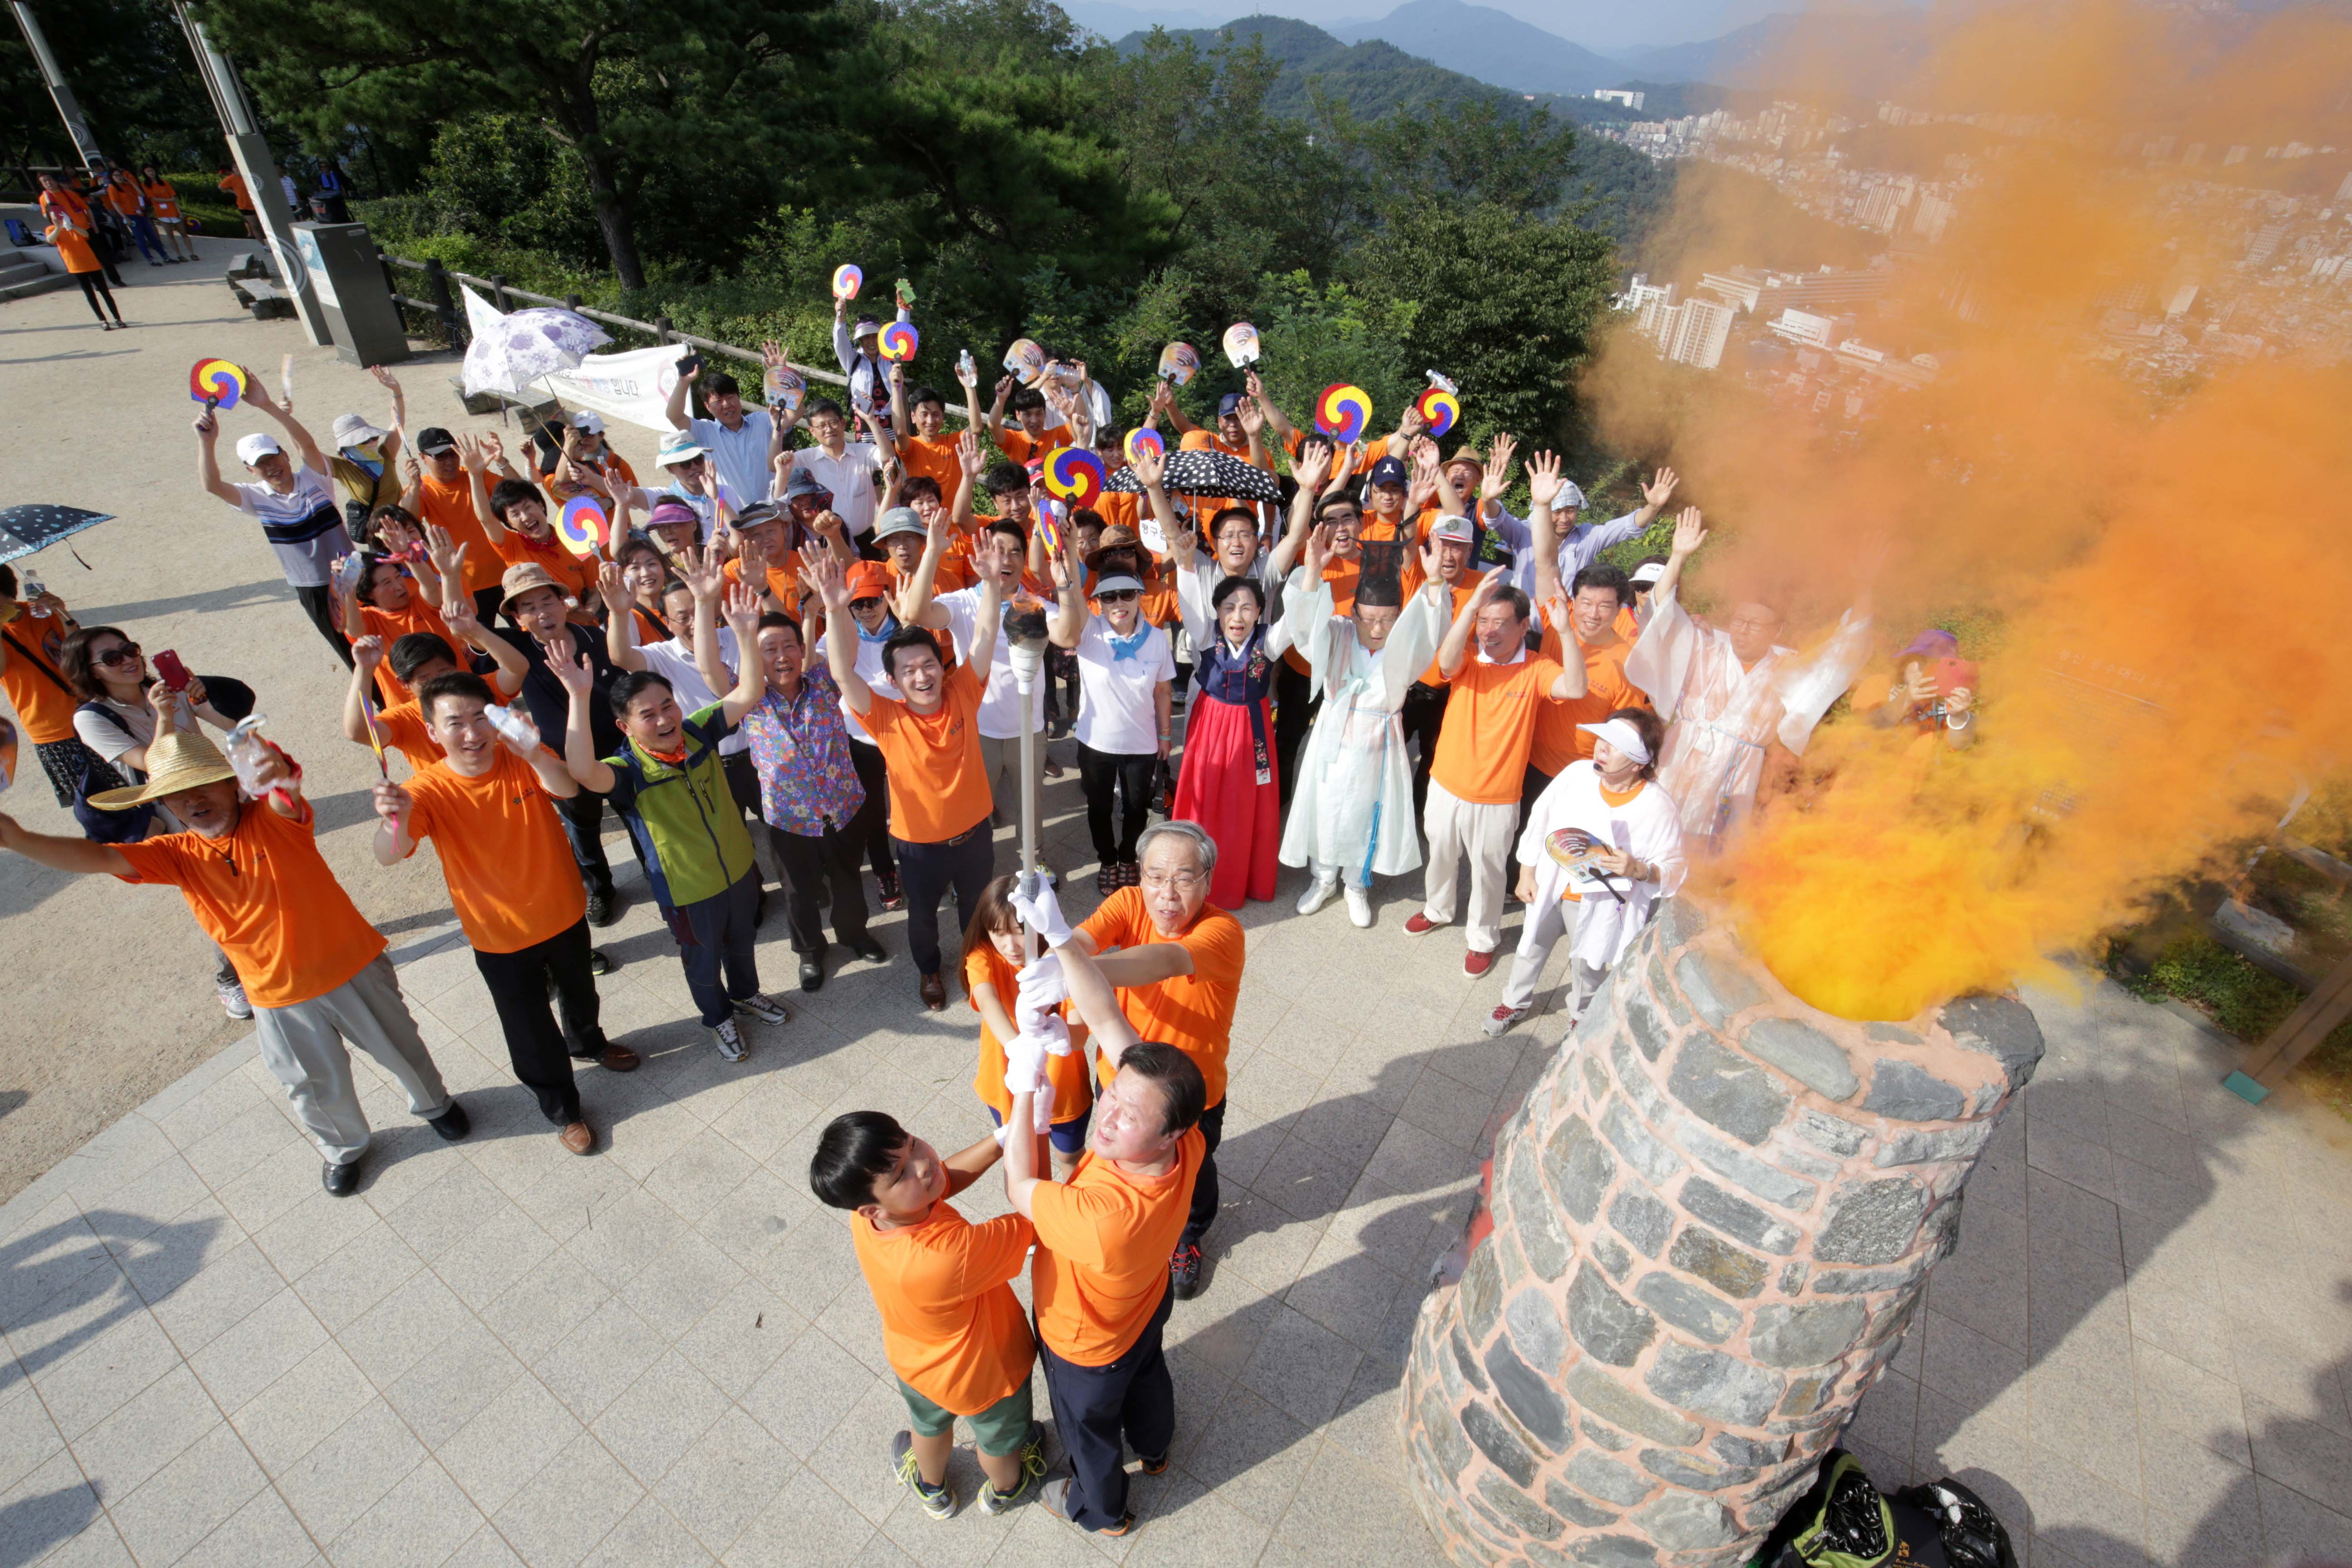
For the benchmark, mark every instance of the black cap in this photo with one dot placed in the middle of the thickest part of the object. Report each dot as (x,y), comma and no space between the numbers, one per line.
(433,438)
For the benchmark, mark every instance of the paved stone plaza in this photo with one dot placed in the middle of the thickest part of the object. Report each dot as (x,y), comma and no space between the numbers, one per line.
(499,1352)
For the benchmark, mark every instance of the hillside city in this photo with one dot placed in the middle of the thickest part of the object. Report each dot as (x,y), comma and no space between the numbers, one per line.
(2252,271)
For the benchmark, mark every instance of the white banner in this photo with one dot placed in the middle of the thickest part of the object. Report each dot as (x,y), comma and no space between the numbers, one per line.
(633,387)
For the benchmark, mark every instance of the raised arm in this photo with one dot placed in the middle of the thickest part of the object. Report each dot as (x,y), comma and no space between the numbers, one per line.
(367,652)
(580,759)
(1069,604)
(1277,421)
(476,458)
(915,595)
(1456,649)
(743,608)
(392,842)
(258,395)
(828,581)
(620,625)
(991,561)
(1543,488)
(676,410)
(208,474)
(996,410)
(457,615)
(1690,532)
(1310,471)
(1163,401)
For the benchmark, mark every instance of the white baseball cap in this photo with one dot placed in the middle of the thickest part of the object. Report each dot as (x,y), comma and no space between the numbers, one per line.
(1454,527)
(679,447)
(1647,572)
(251,449)
(1620,734)
(590,421)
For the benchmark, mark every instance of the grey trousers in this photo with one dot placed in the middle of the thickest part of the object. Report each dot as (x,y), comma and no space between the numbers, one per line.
(1545,926)
(303,1046)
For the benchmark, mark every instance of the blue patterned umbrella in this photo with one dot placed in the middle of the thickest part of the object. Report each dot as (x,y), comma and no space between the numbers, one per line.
(509,353)
(25,529)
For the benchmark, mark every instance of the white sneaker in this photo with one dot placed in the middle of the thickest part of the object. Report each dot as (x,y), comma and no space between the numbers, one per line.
(1503,1019)
(731,1040)
(232,998)
(1317,894)
(762,1008)
(1359,906)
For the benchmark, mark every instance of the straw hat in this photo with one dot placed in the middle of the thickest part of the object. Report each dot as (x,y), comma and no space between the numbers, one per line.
(181,760)
(1120,539)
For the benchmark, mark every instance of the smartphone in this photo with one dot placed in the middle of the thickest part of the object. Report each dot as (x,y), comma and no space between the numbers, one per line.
(906,291)
(691,363)
(175,674)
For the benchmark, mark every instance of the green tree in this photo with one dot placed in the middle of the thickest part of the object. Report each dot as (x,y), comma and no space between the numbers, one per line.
(625,88)
(128,63)
(1505,306)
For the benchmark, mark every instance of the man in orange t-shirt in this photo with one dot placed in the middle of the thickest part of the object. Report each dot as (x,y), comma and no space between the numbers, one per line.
(487,808)
(1178,974)
(1597,616)
(234,184)
(1482,758)
(440,492)
(313,968)
(1101,1284)
(952,1329)
(919,421)
(929,739)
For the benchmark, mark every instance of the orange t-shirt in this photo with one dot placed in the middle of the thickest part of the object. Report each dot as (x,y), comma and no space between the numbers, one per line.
(451,506)
(1103,1241)
(401,725)
(503,852)
(1193,1013)
(1490,728)
(1073,1094)
(1435,674)
(393,626)
(37,687)
(164,200)
(266,898)
(1343,576)
(934,461)
(1018,445)
(123,195)
(1120,509)
(951,1326)
(576,573)
(69,232)
(952,574)
(1557,741)
(235,185)
(784,582)
(939,783)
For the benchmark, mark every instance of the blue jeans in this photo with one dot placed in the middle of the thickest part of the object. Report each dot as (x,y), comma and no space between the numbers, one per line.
(715,935)
(142,234)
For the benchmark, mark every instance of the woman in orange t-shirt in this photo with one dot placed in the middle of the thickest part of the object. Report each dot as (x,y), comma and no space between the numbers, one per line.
(993,957)
(70,229)
(163,201)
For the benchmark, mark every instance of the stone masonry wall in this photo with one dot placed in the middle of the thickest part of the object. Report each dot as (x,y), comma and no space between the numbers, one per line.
(1713,1218)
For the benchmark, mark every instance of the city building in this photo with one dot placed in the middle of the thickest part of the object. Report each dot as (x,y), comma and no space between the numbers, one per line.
(1619,95)
(1698,334)
(1804,327)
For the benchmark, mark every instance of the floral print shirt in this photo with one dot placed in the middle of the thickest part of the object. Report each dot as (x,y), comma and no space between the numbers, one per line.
(800,746)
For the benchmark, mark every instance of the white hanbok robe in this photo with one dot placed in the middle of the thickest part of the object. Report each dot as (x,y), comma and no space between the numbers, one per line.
(1352,804)
(1720,714)
(1649,825)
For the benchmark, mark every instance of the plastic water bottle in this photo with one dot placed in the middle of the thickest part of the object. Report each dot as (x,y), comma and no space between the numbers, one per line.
(967,372)
(248,754)
(34,587)
(515,727)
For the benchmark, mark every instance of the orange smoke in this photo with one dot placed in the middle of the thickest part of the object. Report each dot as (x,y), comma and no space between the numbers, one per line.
(2153,570)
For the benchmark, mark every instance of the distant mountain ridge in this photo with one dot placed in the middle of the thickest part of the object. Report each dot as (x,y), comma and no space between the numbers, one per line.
(1490,46)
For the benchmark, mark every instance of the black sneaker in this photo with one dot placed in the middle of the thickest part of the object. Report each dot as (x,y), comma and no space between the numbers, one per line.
(812,972)
(603,909)
(599,963)
(452,1123)
(870,949)
(341,1181)
(1184,1271)
(1031,1472)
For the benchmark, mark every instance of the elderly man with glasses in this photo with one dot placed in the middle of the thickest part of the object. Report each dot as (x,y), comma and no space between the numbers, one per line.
(1176,960)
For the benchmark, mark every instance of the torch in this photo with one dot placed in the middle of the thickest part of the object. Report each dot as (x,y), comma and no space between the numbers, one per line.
(1025,636)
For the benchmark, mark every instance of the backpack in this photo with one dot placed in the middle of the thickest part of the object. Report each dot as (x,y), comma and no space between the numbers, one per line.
(1972,1536)
(1845,1521)
(97,775)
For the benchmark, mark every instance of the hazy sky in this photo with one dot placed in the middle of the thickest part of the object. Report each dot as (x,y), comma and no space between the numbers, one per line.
(1593,23)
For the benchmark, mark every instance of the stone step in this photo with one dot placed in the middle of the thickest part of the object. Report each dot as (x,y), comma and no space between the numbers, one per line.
(23,273)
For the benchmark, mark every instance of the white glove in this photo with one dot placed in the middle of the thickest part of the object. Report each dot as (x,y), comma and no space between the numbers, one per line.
(1043,988)
(1024,1062)
(1040,1107)
(1041,910)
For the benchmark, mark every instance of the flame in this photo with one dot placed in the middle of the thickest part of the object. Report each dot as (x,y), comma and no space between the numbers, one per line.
(2157,577)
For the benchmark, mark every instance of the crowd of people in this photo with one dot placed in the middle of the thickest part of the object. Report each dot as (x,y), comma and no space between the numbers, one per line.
(800,657)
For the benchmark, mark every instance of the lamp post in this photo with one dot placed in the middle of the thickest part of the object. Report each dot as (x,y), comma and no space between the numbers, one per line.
(1024,634)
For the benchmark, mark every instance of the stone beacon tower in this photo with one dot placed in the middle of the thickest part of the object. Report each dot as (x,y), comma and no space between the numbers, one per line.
(1714,1216)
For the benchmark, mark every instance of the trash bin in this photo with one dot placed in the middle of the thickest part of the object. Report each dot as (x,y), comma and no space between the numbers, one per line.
(360,317)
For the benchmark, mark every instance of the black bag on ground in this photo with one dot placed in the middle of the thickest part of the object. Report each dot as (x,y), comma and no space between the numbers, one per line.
(1971,1534)
(1845,1521)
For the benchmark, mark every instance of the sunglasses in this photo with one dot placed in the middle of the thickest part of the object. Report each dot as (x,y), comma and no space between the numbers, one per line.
(125,653)
(1119,596)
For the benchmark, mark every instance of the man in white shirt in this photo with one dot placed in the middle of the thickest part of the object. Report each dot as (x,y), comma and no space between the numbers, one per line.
(295,505)
(738,438)
(843,467)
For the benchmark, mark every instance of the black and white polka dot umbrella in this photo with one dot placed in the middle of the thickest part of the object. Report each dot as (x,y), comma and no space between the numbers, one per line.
(25,529)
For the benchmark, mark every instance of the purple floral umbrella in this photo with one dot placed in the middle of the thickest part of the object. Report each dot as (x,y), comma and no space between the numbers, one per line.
(509,353)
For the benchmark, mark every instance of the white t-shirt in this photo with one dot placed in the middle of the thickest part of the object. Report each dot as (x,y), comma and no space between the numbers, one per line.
(870,670)
(1000,705)
(1116,710)
(304,526)
(849,476)
(674,662)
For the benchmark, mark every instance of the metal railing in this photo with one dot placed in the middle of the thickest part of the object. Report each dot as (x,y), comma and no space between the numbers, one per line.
(443,312)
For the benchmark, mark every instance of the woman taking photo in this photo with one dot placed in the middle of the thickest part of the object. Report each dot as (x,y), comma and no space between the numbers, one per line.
(1127,671)
(124,709)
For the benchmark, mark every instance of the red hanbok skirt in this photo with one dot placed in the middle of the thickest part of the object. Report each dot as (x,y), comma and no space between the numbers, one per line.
(1217,787)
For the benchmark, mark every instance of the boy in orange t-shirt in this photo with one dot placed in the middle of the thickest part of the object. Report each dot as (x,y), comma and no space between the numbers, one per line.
(1101,1279)
(489,809)
(952,1329)
(313,968)
(929,739)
